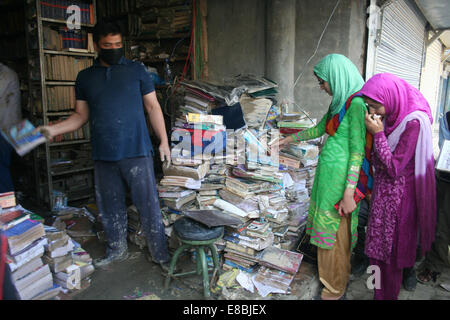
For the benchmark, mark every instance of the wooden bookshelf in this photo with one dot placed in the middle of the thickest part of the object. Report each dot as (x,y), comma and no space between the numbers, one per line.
(86,25)
(52,65)
(70,53)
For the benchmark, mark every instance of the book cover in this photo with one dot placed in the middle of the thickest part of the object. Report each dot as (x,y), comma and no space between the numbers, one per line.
(258,226)
(23,234)
(284,260)
(23,138)
(7,200)
(18,230)
(199,118)
(11,218)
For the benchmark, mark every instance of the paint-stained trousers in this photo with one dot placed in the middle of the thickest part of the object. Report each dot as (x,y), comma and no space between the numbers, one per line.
(111,181)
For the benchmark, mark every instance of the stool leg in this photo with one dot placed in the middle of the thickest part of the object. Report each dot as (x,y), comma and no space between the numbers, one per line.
(215,255)
(173,263)
(205,272)
(199,261)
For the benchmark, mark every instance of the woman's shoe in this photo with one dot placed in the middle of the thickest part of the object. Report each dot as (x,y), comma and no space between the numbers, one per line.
(426,276)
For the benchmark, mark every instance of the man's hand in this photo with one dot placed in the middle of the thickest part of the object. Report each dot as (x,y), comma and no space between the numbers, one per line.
(164,152)
(47,131)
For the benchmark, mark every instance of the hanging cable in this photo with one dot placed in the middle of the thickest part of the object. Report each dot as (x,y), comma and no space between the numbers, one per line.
(318,43)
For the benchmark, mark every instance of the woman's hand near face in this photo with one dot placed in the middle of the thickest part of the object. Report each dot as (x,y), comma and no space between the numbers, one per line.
(373,123)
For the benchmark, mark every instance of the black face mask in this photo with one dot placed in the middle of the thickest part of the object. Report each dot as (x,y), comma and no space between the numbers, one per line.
(111,56)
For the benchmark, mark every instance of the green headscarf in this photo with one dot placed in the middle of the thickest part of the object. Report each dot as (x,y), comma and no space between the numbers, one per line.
(343,77)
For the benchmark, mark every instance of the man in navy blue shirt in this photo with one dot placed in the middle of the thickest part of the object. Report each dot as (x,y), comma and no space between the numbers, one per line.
(112,95)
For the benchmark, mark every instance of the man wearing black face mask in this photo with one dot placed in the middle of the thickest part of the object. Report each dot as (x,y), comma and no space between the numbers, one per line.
(112,94)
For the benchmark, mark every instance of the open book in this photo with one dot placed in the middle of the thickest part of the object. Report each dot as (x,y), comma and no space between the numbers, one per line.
(22,137)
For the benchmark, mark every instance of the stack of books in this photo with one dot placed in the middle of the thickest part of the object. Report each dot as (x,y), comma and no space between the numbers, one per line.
(277,271)
(269,195)
(31,277)
(244,244)
(58,251)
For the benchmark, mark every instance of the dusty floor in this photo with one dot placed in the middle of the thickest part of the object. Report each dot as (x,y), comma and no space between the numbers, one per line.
(136,277)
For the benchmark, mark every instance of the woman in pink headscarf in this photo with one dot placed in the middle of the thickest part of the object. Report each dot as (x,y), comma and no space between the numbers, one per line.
(403,207)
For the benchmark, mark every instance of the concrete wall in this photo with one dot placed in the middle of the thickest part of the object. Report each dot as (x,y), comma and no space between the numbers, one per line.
(237,41)
(236,38)
(345,34)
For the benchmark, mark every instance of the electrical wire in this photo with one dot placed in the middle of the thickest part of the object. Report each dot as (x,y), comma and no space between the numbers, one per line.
(318,43)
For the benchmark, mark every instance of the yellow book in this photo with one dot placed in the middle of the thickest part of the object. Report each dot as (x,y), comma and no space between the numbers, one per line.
(200,118)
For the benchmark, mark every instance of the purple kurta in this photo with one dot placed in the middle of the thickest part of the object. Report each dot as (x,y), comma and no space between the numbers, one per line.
(397,169)
(394,169)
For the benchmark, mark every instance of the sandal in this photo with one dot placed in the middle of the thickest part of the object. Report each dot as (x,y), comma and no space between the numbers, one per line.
(426,275)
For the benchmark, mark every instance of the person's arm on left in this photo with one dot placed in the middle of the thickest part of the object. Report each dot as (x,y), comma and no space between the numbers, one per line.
(157,122)
(357,141)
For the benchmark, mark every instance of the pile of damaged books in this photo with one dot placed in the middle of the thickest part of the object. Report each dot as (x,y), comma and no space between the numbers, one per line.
(44,261)
(26,242)
(71,265)
(222,160)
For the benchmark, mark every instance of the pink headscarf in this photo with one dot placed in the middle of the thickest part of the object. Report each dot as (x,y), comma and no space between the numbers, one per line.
(403,102)
(398,97)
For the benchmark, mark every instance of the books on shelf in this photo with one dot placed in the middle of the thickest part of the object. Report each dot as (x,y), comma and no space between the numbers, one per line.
(23,137)
(82,133)
(60,98)
(57,10)
(65,68)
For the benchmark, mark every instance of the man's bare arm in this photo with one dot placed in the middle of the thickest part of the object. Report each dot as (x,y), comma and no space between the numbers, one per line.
(157,122)
(74,122)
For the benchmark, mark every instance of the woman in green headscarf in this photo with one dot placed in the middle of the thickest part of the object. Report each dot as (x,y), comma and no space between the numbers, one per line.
(334,231)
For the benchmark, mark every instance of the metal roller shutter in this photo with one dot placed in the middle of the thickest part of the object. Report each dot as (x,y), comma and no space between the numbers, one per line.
(400,41)
(431,75)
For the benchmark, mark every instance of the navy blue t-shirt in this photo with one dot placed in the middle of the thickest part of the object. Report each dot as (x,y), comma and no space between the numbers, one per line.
(116,109)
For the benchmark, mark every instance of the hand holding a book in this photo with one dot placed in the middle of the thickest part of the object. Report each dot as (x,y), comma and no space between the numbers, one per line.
(347,205)
(47,131)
